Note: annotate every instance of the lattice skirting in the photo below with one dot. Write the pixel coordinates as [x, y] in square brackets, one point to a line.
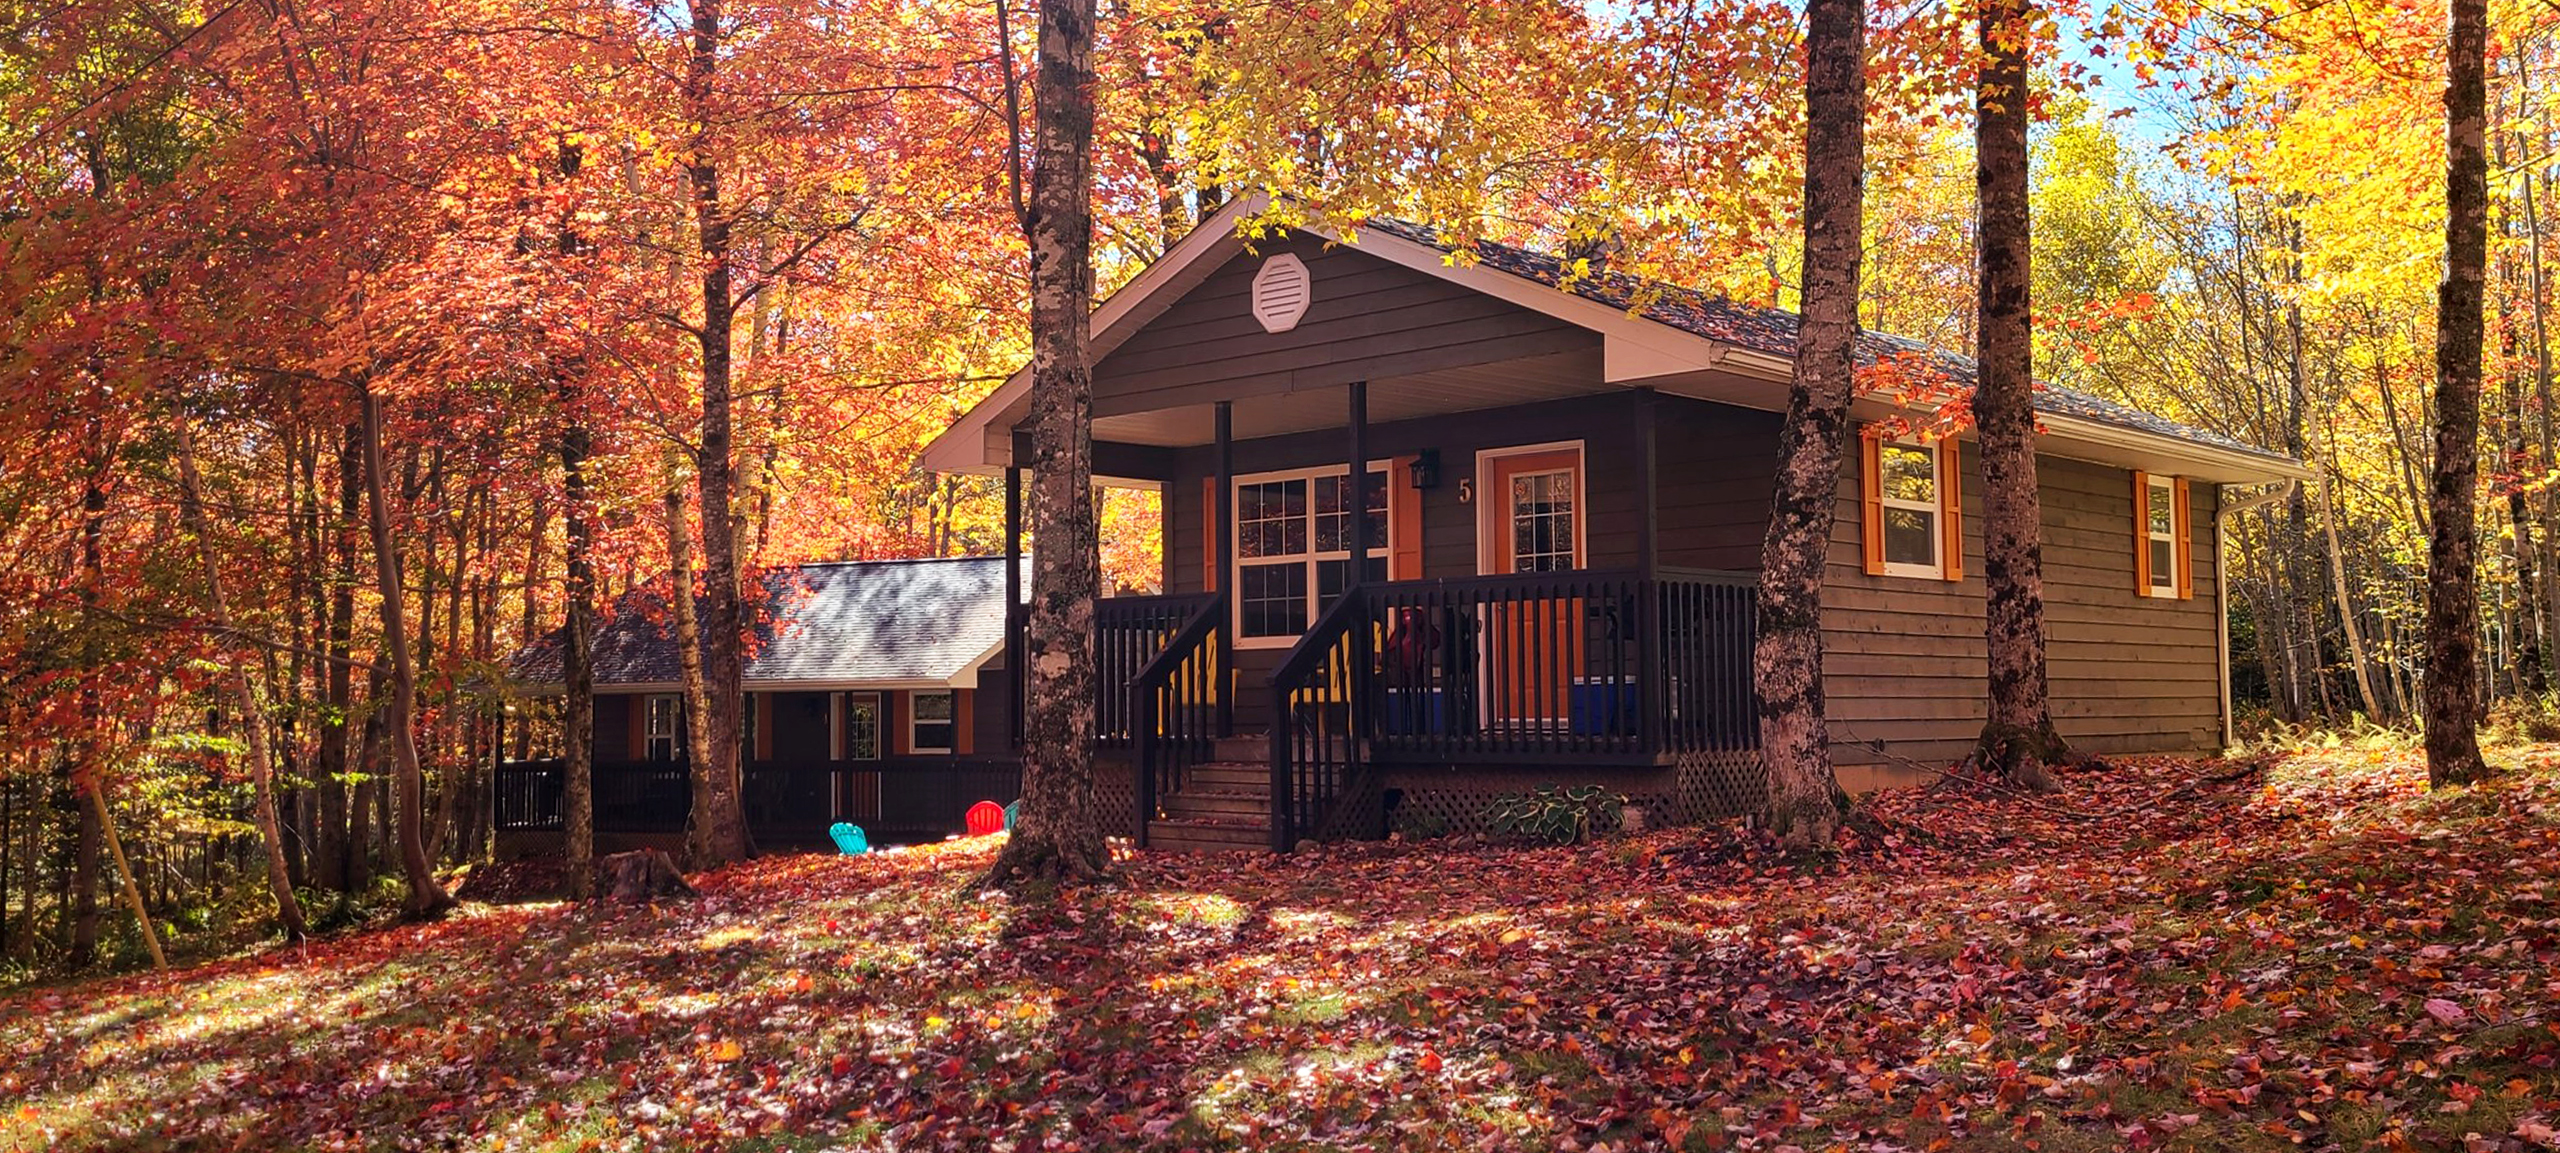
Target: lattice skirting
[1702, 787]
[1115, 794]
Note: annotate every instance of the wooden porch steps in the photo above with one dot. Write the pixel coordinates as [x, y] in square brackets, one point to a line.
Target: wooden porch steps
[1224, 806]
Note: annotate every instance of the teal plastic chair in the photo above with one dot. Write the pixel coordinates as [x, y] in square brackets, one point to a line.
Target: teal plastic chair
[1010, 812]
[849, 839]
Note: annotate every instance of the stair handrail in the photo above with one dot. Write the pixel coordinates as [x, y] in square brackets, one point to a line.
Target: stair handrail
[1204, 627]
[1348, 617]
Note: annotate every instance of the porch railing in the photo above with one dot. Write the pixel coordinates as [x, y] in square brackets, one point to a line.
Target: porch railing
[1549, 669]
[1176, 701]
[1558, 667]
[1321, 709]
[1129, 633]
[785, 802]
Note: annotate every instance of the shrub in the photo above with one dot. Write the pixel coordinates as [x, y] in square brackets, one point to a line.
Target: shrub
[1557, 816]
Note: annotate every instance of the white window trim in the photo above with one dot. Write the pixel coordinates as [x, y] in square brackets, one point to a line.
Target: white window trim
[839, 735]
[1935, 507]
[649, 734]
[2150, 587]
[913, 722]
[1385, 549]
[1498, 506]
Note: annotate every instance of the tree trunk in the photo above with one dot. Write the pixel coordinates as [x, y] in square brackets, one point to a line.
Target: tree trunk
[719, 830]
[2373, 705]
[88, 770]
[1057, 835]
[577, 662]
[2453, 608]
[2018, 739]
[427, 898]
[244, 696]
[700, 766]
[1805, 801]
[338, 845]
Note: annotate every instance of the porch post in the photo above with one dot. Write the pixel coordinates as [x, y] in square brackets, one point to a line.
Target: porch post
[1222, 550]
[1651, 673]
[1648, 512]
[1358, 496]
[1013, 602]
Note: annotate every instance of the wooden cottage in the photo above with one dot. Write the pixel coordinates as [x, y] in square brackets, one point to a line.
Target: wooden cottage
[1437, 530]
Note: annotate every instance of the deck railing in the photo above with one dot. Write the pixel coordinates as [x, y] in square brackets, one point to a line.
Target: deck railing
[1129, 633]
[1321, 710]
[785, 802]
[1548, 669]
[1562, 667]
[1176, 700]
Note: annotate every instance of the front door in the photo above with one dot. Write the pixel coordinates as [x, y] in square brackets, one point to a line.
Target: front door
[1533, 643]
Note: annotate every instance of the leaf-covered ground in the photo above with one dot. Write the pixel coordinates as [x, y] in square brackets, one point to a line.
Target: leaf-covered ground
[2171, 954]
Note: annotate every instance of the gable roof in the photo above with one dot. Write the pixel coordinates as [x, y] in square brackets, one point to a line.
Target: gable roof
[852, 624]
[1772, 332]
[1652, 332]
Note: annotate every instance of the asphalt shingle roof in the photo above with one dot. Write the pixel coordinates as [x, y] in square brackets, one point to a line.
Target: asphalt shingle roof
[1772, 331]
[848, 622]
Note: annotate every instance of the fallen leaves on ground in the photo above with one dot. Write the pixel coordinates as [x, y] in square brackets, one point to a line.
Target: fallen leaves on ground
[2170, 954]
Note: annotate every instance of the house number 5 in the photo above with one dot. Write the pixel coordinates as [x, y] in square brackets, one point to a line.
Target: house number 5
[1466, 491]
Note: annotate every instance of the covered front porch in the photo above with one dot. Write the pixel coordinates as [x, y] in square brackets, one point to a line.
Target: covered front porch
[1476, 643]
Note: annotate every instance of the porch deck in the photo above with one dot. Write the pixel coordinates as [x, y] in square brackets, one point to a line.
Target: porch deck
[1570, 670]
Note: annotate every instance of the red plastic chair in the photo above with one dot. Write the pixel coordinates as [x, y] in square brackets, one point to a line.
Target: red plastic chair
[984, 818]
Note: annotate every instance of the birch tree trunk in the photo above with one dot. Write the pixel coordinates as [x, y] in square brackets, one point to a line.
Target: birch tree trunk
[2373, 705]
[718, 826]
[244, 697]
[427, 898]
[700, 767]
[2453, 609]
[1057, 836]
[1805, 801]
[2018, 739]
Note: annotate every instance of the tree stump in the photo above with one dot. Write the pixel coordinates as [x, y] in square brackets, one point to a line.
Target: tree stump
[643, 876]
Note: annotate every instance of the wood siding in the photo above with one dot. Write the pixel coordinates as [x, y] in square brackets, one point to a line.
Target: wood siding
[1370, 319]
[1904, 659]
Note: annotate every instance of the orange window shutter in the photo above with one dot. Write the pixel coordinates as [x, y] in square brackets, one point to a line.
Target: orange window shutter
[1208, 534]
[1951, 508]
[964, 721]
[1871, 499]
[2141, 533]
[1404, 522]
[2186, 539]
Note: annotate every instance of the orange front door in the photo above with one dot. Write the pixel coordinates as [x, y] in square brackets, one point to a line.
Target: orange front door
[1533, 645]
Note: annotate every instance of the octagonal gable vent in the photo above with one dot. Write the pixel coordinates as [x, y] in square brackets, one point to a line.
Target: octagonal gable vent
[1281, 291]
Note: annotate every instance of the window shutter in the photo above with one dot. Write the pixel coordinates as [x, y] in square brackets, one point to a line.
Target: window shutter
[1871, 498]
[2186, 546]
[1404, 522]
[1951, 509]
[964, 722]
[2141, 533]
[1209, 534]
[894, 718]
[635, 741]
[763, 705]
